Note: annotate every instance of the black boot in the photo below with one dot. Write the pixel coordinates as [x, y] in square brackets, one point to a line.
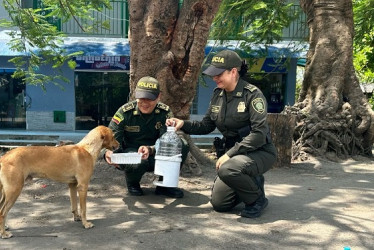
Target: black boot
[171, 192]
[255, 209]
[135, 189]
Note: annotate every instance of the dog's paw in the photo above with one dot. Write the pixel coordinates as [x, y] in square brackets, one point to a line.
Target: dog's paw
[88, 225]
[77, 218]
[6, 235]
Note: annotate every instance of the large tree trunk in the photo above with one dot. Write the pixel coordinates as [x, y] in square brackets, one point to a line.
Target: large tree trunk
[282, 128]
[334, 119]
[168, 42]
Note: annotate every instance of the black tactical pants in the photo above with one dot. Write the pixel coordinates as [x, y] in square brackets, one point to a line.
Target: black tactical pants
[235, 181]
[135, 172]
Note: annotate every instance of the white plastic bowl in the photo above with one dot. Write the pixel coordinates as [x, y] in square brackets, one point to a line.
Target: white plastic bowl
[126, 158]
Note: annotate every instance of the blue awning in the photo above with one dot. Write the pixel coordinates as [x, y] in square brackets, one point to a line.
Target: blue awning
[90, 46]
[5, 49]
[103, 46]
[93, 46]
[279, 50]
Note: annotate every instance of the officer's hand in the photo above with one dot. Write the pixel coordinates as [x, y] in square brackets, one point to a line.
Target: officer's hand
[108, 158]
[177, 123]
[221, 160]
[145, 151]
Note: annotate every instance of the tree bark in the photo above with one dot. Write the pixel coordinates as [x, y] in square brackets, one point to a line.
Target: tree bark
[168, 42]
[282, 128]
[334, 119]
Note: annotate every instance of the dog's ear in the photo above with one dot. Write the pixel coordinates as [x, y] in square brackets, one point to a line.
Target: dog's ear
[103, 132]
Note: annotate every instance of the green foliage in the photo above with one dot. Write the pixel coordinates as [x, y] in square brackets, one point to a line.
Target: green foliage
[39, 37]
[257, 21]
[364, 40]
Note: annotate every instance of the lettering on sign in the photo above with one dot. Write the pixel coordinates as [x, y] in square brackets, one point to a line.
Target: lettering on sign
[92, 59]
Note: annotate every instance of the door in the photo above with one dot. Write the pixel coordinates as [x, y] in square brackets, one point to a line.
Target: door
[12, 104]
[98, 96]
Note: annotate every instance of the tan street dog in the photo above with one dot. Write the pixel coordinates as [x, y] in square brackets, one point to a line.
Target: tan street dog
[71, 164]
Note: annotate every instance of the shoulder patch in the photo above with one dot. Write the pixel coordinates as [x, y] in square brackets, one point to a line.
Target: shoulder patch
[258, 105]
[250, 87]
[128, 106]
[163, 106]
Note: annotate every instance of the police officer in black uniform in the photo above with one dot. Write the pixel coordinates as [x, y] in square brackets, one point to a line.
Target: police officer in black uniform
[137, 125]
[238, 110]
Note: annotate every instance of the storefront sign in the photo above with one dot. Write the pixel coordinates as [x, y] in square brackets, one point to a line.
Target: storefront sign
[103, 62]
[269, 65]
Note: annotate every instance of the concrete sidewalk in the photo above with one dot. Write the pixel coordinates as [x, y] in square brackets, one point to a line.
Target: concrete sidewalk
[14, 137]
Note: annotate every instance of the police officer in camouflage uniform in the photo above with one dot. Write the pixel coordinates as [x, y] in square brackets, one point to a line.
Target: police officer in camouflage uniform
[137, 125]
[238, 110]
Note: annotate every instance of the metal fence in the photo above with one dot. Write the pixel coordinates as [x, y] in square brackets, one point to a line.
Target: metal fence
[117, 17]
[298, 29]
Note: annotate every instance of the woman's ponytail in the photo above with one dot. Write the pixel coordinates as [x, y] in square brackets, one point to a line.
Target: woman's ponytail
[243, 69]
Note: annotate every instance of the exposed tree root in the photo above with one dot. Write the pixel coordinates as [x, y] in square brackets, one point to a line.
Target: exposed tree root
[330, 137]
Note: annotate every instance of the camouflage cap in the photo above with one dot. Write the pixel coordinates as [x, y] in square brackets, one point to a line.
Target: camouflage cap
[224, 60]
[147, 88]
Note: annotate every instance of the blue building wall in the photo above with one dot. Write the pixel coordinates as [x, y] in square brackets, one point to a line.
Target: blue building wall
[205, 92]
[41, 106]
[55, 97]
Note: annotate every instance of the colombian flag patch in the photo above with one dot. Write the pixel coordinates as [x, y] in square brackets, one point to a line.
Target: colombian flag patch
[116, 119]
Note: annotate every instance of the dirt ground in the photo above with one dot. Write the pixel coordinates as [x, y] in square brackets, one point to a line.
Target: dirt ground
[312, 205]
